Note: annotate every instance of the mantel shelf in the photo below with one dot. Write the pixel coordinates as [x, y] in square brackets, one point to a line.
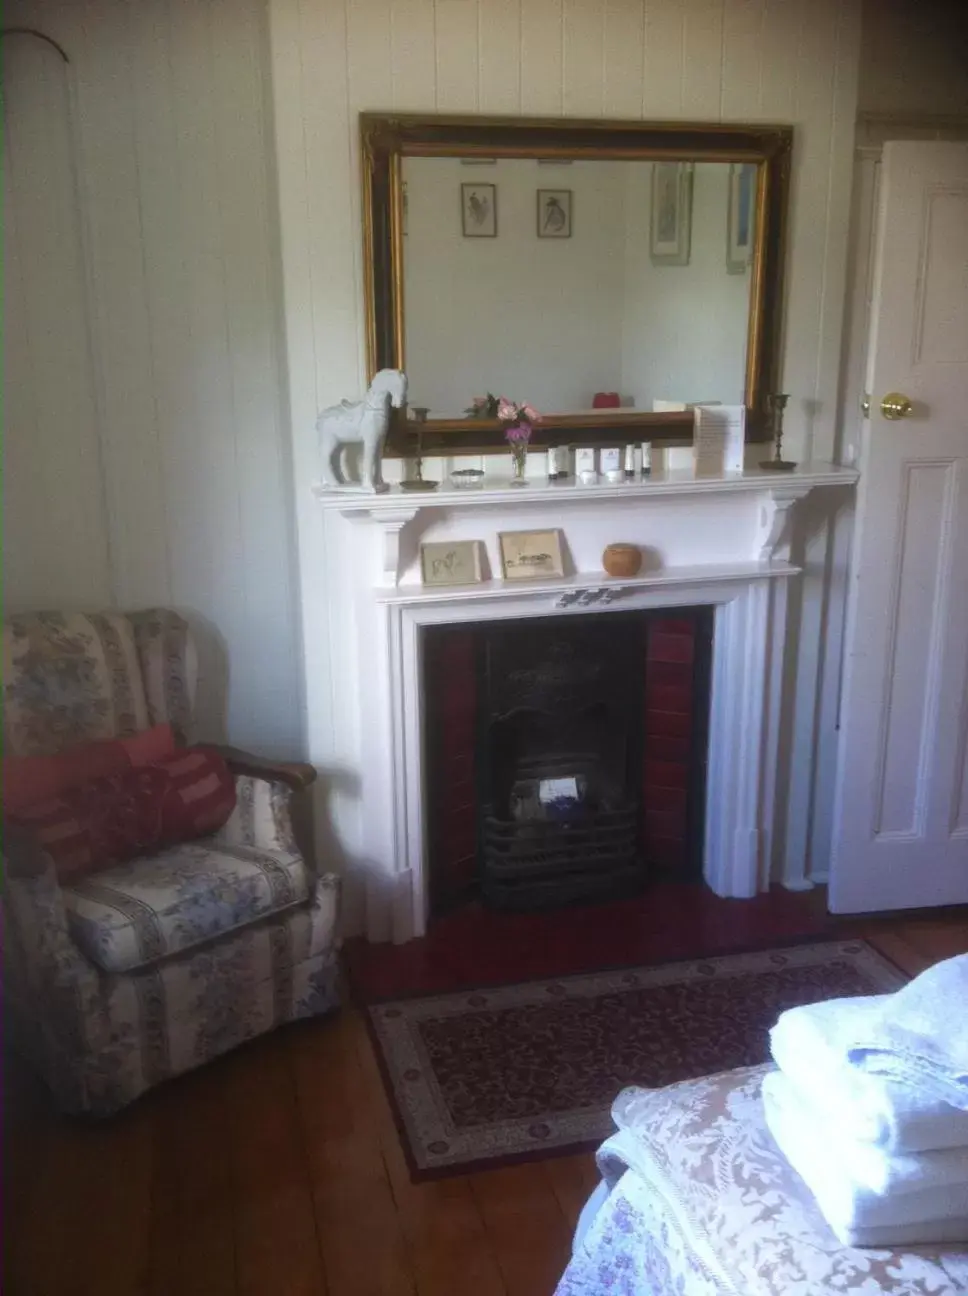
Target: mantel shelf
[799, 482]
[612, 587]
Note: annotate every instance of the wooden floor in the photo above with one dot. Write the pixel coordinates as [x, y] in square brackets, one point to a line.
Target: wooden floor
[277, 1171]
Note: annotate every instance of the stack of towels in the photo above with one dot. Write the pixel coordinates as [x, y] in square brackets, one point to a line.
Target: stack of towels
[870, 1106]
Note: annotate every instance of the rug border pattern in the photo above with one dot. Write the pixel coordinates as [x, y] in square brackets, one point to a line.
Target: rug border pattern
[433, 1145]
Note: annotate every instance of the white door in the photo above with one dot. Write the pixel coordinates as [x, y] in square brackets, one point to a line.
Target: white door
[901, 820]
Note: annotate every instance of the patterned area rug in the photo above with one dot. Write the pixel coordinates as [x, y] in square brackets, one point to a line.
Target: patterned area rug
[482, 1078]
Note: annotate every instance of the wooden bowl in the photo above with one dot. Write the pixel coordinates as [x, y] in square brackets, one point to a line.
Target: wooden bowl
[622, 559]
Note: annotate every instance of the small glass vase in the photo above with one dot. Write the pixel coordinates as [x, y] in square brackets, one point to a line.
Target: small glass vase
[519, 467]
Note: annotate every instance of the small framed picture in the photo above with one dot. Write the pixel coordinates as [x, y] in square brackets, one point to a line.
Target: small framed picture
[554, 213]
[670, 223]
[527, 555]
[478, 207]
[454, 562]
[741, 216]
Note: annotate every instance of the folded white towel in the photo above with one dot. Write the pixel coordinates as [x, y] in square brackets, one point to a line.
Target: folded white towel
[921, 1034]
[852, 1208]
[894, 1236]
[884, 1173]
[808, 1043]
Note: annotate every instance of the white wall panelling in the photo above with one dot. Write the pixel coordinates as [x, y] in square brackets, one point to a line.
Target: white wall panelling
[147, 445]
[55, 533]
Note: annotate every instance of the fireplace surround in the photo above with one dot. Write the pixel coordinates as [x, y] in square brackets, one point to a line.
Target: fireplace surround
[718, 542]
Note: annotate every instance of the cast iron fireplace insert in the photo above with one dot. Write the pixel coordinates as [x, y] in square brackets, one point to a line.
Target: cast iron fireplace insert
[565, 756]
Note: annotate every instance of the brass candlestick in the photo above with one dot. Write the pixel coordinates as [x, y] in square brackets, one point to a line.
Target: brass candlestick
[416, 482]
[776, 404]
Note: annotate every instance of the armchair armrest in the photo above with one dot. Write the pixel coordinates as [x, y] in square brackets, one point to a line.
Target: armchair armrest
[273, 811]
[295, 774]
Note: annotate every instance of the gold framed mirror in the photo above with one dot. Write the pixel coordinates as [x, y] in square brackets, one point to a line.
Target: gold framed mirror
[613, 274]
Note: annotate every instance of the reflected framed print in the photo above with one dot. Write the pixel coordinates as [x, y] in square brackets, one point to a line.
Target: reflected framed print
[554, 213]
[670, 216]
[478, 209]
[740, 217]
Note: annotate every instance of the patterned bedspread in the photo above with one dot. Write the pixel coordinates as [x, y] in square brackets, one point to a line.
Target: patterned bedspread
[702, 1203]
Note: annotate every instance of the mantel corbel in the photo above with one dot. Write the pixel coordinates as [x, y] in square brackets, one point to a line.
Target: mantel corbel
[390, 523]
[773, 538]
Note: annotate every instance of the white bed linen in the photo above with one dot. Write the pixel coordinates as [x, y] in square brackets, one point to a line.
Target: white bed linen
[703, 1203]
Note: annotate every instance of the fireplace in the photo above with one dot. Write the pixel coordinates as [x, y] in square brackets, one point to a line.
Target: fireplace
[565, 759]
[717, 543]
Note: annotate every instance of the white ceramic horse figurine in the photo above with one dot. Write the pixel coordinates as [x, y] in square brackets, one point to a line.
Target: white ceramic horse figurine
[367, 422]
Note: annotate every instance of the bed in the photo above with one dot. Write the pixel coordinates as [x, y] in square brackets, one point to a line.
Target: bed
[696, 1200]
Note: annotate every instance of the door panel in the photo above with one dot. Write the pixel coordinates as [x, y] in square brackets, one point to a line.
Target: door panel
[899, 838]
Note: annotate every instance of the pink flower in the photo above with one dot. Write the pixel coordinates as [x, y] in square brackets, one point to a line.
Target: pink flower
[530, 413]
[507, 411]
[518, 435]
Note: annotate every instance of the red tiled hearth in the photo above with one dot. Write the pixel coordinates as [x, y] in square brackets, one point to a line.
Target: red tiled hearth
[475, 946]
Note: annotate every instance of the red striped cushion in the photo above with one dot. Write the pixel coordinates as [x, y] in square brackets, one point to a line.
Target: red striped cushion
[107, 820]
[29, 779]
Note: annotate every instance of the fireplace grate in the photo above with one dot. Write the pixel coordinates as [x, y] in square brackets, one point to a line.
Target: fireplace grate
[533, 863]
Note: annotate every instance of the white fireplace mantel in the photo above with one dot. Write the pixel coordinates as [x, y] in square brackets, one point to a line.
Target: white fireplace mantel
[722, 542]
[393, 510]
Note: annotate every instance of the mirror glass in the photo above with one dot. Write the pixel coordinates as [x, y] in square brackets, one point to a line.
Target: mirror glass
[576, 285]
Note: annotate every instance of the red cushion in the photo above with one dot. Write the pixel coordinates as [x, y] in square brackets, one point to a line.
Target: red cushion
[107, 820]
[30, 779]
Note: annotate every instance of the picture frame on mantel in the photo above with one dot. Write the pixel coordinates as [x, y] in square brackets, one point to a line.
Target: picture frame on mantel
[530, 555]
[453, 562]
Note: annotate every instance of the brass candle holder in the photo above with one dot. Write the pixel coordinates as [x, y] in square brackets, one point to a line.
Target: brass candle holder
[776, 404]
[417, 482]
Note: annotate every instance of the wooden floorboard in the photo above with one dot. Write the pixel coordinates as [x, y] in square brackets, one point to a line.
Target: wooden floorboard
[277, 1171]
[271, 1179]
[193, 1204]
[447, 1239]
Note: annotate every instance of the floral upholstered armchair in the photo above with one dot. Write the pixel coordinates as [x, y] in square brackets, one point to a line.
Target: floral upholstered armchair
[150, 967]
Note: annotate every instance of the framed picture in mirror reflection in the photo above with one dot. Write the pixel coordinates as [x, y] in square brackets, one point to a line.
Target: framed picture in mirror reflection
[478, 207]
[740, 216]
[670, 219]
[554, 213]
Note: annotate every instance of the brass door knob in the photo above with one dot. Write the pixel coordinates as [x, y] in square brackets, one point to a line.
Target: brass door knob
[896, 405]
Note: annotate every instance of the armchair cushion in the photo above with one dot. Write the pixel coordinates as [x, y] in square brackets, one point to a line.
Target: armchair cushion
[86, 829]
[30, 779]
[137, 913]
